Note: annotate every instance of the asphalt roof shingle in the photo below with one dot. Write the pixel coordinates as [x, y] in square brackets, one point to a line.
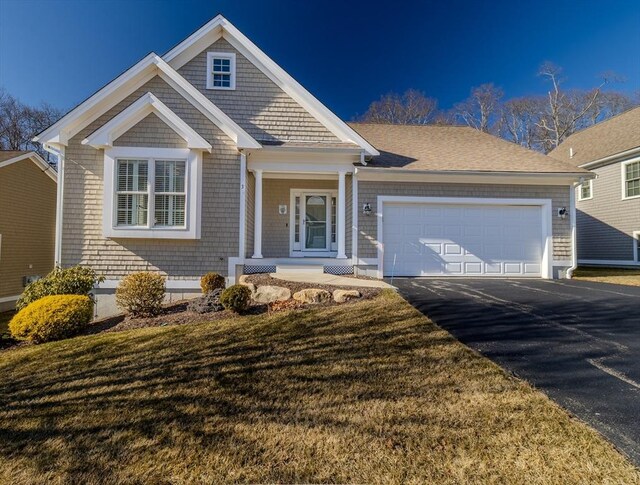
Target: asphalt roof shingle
[609, 137]
[453, 148]
[9, 154]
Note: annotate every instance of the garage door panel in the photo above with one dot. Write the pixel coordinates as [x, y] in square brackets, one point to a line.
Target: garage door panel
[438, 239]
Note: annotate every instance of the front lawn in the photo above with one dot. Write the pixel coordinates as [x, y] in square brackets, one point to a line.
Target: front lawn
[618, 276]
[369, 392]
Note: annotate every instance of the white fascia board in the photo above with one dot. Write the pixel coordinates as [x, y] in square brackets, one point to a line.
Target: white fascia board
[151, 66]
[221, 27]
[422, 176]
[104, 136]
[35, 158]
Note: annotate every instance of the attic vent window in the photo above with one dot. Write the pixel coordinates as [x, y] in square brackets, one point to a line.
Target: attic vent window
[221, 70]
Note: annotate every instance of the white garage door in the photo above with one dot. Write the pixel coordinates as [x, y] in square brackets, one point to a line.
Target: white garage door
[423, 239]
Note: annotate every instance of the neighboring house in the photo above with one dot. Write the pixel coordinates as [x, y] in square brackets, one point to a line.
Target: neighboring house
[27, 222]
[212, 158]
[608, 207]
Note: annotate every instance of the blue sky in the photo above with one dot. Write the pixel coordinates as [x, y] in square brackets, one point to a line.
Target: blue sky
[347, 53]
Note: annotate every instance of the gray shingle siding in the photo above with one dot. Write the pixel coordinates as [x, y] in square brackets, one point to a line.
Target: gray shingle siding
[368, 192]
[257, 104]
[82, 238]
[150, 132]
[606, 222]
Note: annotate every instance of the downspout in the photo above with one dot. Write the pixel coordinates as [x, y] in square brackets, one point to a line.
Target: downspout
[59, 154]
[243, 205]
[572, 215]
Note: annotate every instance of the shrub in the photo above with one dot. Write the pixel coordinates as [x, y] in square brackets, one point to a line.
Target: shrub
[236, 298]
[207, 303]
[211, 282]
[52, 318]
[141, 294]
[77, 280]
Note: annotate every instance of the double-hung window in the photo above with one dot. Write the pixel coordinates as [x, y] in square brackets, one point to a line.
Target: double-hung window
[631, 179]
[586, 190]
[221, 70]
[151, 193]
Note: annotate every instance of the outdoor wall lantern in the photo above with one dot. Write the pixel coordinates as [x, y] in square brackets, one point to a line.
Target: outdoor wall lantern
[366, 209]
[562, 212]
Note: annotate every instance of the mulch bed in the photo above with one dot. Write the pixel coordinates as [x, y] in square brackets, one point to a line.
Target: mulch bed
[177, 313]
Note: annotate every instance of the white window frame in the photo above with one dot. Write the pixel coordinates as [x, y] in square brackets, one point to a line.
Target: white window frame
[193, 186]
[590, 185]
[623, 176]
[232, 70]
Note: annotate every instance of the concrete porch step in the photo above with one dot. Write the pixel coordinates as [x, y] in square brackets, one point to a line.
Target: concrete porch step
[300, 268]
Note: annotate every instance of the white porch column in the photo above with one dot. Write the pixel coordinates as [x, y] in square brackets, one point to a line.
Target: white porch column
[257, 216]
[341, 213]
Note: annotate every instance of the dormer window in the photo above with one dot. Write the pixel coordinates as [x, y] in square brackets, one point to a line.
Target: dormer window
[221, 70]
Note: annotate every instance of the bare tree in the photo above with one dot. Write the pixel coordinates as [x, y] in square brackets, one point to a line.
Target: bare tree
[480, 109]
[566, 110]
[412, 108]
[519, 119]
[19, 123]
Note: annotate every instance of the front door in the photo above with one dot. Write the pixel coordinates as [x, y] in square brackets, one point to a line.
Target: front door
[316, 217]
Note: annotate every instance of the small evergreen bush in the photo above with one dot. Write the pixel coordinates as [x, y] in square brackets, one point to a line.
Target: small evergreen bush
[77, 280]
[141, 294]
[52, 317]
[211, 282]
[236, 298]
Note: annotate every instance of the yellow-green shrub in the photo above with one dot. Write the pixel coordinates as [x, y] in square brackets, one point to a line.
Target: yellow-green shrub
[211, 282]
[141, 294]
[236, 298]
[52, 318]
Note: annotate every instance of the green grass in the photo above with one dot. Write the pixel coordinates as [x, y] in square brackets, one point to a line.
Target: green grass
[618, 276]
[370, 392]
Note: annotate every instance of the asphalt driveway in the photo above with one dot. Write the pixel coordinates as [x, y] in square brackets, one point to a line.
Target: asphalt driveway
[577, 341]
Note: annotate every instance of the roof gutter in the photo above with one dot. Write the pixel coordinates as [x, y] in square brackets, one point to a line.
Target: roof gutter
[59, 154]
[574, 244]
[611, 158]
[481, 173]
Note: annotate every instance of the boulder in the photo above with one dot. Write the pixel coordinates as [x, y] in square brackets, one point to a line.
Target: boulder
[269, 294]
[207, 303]
[312, 295]
[244, 281]
[340, 296]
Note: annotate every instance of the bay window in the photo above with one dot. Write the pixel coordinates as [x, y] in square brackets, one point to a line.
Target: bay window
[152, 193]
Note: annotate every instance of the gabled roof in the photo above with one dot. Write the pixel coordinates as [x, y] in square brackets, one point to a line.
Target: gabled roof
[118, 89]
[221, 27]
[604, 140]
[8, 157]
[104, 136]
[454, 149]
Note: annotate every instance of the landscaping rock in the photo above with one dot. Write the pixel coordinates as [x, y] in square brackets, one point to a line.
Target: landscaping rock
[312, 295]
[269, 294]
[340, 296]
[207, 303]
[244, 281]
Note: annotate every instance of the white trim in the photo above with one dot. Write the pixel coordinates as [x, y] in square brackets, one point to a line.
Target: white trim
[193, 184]
[242, 226]
[574, 232]
[7, 299]
[148, 103]
[590, 182]
[341, 214]
[562, 263]
[545, 204]
[328, 260]
[623, 176]
[608, 262]
[299, 251]
[232, 70]
[367, 261]
[257, 215]
[636, 242]
[35, 158]
[117, 90]
[354, 217]
[468, 177]
[301, 167]
[193, 284]
[221, 27]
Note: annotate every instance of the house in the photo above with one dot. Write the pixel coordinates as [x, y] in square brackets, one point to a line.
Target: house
[608, 207]
[27, 222]
[213, 158]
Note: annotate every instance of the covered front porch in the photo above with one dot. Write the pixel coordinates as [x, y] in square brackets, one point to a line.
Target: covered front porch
[299, 212]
